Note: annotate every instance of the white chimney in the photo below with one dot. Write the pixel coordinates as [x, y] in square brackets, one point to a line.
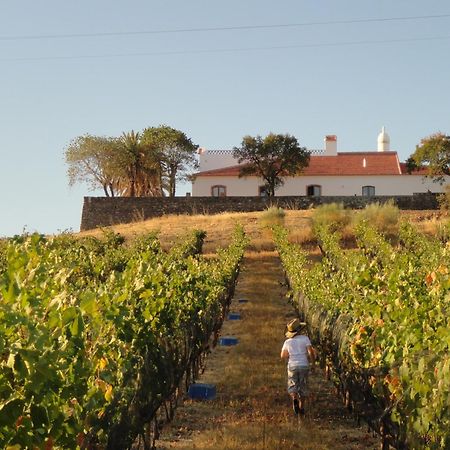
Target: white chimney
[330, 145]
[384, 141]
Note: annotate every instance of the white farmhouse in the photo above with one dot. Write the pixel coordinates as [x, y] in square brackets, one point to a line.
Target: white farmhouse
[330, 173]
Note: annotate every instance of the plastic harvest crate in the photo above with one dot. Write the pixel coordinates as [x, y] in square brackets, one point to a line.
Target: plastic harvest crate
[228, 340]
[234, 316]
[202, 391]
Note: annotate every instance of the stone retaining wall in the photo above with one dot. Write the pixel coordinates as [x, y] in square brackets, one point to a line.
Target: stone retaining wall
[105, 211]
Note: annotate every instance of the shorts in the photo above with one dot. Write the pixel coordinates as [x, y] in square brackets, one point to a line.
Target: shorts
[298, 381]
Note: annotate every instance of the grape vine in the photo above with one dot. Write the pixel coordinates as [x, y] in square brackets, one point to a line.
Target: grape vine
[380, 316]
[96, 338]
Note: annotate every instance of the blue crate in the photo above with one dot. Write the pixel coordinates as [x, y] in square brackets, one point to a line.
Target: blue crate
[234, 316]
[242, 300]
[202, 391]
[228, 340]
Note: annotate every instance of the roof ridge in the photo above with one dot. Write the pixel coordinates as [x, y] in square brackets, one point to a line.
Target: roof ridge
[344, 163]
[368, 152]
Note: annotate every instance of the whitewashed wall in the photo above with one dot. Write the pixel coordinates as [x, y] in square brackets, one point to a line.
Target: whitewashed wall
[236, 187]
[215, 159]
[331, 185]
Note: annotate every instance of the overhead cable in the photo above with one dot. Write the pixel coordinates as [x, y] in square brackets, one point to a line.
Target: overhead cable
[224, 50]
[215, 29]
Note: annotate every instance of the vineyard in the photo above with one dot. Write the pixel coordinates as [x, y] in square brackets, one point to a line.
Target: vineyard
[101, 337]
[379, 315]
[98, 338]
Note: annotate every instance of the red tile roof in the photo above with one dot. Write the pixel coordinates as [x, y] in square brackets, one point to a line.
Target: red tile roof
[348, 163]
[355, 163]
[421, 171]
[231, 171]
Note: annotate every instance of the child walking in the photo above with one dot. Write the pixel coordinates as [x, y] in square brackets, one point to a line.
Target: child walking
[300, 355]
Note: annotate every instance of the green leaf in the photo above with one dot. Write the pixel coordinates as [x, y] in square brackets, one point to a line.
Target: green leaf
[11, 360]
[88, 304]
[39, 416]
[10, 411]
[77, 326]
[68, 315]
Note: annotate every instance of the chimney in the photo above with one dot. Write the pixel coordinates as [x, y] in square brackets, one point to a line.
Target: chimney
[330, 145]
[384, 141]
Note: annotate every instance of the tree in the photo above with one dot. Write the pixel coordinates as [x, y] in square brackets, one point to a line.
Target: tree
[434, 153]
[123, 166]
[272, 158]
[141, 163]
[95, 160]
[177, 154]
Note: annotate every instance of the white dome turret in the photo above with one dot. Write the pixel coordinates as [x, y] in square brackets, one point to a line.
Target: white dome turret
[384, 141]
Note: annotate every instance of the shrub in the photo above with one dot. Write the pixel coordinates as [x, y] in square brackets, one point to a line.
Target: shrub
[272, 216]
[443, 231]
[384, 216]
[444, 199]
[332, 215]
[3, 245]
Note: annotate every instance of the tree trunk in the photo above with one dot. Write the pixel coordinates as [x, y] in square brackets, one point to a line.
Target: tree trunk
[172, 181]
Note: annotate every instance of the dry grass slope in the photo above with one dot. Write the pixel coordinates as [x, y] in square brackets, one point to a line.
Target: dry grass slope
[219, 227]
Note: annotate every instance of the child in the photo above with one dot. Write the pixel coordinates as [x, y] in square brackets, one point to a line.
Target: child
[300, 354]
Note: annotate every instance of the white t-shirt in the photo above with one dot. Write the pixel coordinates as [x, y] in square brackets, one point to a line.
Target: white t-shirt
[297, 349]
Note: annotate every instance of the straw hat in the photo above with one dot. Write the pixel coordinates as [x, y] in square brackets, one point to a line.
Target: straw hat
[294, 327]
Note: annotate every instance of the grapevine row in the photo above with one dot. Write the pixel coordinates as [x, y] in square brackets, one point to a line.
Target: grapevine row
[96, 338]
[381, 318]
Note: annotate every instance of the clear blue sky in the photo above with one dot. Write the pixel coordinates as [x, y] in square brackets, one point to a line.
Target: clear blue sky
[347, 79]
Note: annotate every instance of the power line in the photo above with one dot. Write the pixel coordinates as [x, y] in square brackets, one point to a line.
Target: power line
[228, 28]
[225, 50]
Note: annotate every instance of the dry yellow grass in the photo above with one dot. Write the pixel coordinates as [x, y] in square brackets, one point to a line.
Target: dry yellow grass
[219, 227]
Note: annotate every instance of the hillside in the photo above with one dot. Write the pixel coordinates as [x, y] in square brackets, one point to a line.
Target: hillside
[220, 226]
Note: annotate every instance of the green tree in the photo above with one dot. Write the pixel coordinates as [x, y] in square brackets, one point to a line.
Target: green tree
[433, 153]
[124, 166]
[95, 161]
[272, 158]
[176, 151]
[141, 162]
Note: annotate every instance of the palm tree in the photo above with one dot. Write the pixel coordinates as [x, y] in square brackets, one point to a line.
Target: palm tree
[142, 167]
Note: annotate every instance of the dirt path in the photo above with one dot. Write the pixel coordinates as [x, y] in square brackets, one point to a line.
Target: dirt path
[252, 410]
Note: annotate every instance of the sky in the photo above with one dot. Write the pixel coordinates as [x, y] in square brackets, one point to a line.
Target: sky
[215, 70]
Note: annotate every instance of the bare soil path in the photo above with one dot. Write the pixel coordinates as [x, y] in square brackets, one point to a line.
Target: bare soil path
[252, 410]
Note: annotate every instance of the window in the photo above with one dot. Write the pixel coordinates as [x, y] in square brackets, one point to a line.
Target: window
[262, 191]
[368, 191]
[314, 190]
[218, 191]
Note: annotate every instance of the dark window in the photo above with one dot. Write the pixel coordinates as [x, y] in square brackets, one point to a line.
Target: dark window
[262, 191]
[314, 190]
[219, 191]
[368, 191]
